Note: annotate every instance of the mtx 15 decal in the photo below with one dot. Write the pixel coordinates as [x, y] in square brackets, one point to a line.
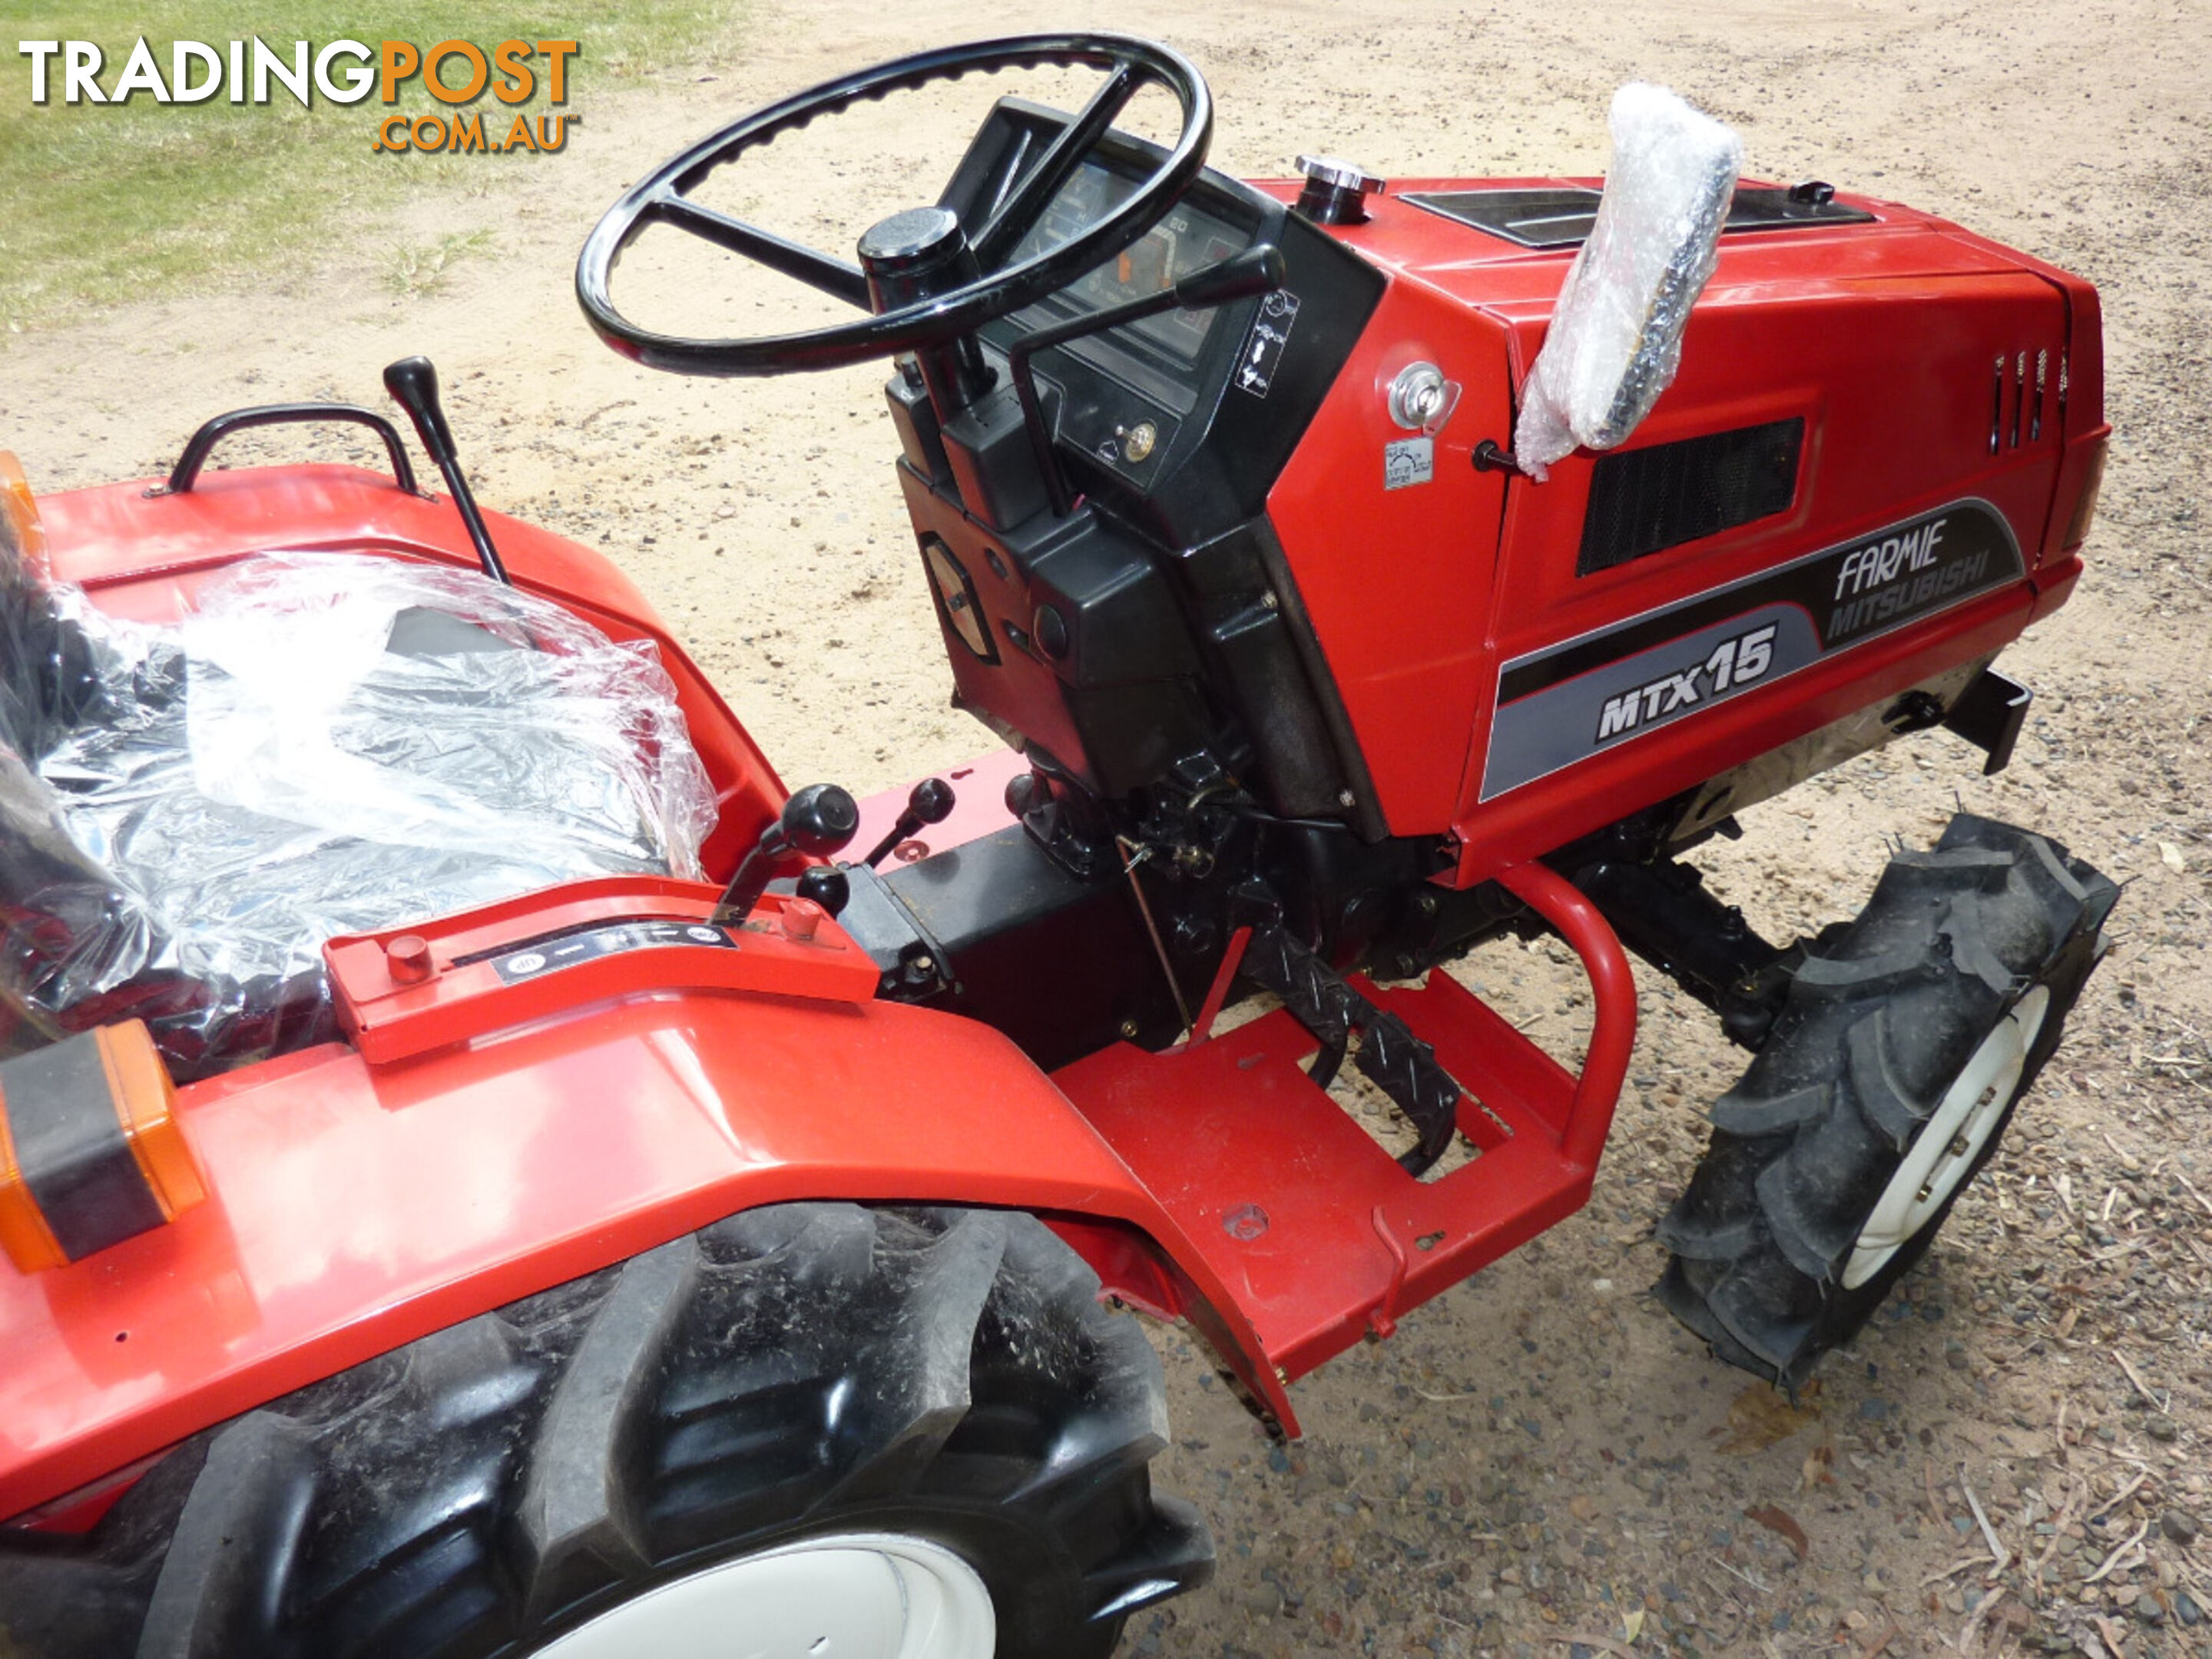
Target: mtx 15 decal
[1566, 702]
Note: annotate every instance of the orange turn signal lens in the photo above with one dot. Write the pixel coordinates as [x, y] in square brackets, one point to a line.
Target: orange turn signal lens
[92, 1122]
[30, 1243]
[19, 516]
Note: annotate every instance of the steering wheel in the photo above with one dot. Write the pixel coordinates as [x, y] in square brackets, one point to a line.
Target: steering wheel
[1001, 287]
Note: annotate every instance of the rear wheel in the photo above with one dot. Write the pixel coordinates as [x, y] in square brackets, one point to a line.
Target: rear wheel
[811, 1429]
[1881, 1090]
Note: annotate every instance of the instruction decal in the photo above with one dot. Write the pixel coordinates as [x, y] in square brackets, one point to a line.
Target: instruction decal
[1264, 344]
[588, 944]
[1408, 461]
[1567, 702]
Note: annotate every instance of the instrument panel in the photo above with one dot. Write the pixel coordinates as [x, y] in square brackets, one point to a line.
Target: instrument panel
[1189, 239]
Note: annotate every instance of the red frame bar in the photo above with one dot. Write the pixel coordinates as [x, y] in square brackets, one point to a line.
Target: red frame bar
[1613, 990]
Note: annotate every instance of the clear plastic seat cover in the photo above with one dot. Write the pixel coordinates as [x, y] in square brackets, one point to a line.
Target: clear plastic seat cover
[322, 744]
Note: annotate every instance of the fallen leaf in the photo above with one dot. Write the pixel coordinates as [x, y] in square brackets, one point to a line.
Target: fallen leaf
[1818, 1469]
[2170, 856]
[1632, 1623]
[1761, 1415]
[1778, 1520]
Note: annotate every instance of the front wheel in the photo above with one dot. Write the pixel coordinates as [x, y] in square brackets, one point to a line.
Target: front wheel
[811, 1430]
[1881, 1090]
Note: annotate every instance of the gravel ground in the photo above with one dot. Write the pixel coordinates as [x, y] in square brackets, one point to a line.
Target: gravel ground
[2014, 1457]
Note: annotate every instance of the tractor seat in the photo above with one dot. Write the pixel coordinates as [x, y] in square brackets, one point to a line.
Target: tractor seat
[326, 744]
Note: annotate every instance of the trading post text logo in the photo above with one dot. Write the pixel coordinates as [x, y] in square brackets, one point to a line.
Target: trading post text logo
[454, 72]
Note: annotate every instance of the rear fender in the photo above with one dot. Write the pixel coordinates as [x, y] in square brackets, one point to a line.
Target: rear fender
[353, 1207]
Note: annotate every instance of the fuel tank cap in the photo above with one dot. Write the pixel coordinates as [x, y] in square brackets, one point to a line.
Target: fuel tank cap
[1336, 191]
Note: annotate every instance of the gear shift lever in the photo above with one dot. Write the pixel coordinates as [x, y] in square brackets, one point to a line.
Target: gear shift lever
[818, 820]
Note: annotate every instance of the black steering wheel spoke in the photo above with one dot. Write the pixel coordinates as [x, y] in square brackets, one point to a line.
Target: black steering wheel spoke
[1033, 193]
[812, 266]
[1003, 283]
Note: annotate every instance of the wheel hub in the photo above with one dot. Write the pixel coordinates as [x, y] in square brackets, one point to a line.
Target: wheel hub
[1944, 1153]
[851, 1596]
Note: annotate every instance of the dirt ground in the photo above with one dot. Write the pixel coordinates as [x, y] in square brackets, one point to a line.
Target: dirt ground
[2015, 1457]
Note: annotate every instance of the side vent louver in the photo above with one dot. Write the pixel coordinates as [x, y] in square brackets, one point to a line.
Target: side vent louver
[1645, 501]
[2009, 381]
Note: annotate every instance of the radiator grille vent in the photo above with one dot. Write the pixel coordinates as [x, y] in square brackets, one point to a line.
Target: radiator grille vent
[1644, 501]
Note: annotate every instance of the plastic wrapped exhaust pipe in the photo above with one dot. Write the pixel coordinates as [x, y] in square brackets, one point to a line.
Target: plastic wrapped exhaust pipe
[1616, 335]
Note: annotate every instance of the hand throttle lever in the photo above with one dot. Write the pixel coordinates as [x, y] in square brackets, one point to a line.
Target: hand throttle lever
[1256, 270]
[930, 802]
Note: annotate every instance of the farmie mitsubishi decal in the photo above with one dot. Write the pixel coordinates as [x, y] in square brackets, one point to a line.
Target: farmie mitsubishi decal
[1567, 702]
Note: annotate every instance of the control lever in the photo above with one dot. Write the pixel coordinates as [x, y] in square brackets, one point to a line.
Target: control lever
[818, 821]
[1256, 270]
[413, 384]
[929, 802]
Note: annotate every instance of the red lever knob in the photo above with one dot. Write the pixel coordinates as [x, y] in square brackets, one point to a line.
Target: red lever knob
[407, 959]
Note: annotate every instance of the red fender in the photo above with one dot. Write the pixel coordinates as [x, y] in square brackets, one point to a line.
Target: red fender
[354, 1207]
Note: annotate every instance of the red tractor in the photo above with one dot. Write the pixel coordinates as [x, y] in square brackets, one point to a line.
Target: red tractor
[719, 1252]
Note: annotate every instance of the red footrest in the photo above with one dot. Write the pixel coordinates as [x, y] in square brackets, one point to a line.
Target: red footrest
[1313, 1226]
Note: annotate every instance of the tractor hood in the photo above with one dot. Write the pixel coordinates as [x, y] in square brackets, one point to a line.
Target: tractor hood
[1505, 243]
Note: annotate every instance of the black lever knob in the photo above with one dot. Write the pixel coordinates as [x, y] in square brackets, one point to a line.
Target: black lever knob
[929, 801]
[1256, 271]
[413, 384]
[817, 821]
[827, 886]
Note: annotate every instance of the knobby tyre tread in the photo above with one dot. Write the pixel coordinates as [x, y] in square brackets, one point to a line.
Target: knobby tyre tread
[796, 1371]
[1873, 1031]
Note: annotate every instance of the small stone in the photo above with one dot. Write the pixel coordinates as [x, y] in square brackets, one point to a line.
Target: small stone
[1874, 1409]
[2146, 1609]
[2180, 1526]
[2187, 1611]
[1266, 1601]
[2163, 1428]
[1954, 1356]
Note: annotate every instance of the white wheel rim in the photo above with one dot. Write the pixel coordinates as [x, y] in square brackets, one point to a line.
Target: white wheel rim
[852, 1596]
[1954, 1137]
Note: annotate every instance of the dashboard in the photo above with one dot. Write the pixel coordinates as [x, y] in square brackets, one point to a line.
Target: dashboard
[1183, 418]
